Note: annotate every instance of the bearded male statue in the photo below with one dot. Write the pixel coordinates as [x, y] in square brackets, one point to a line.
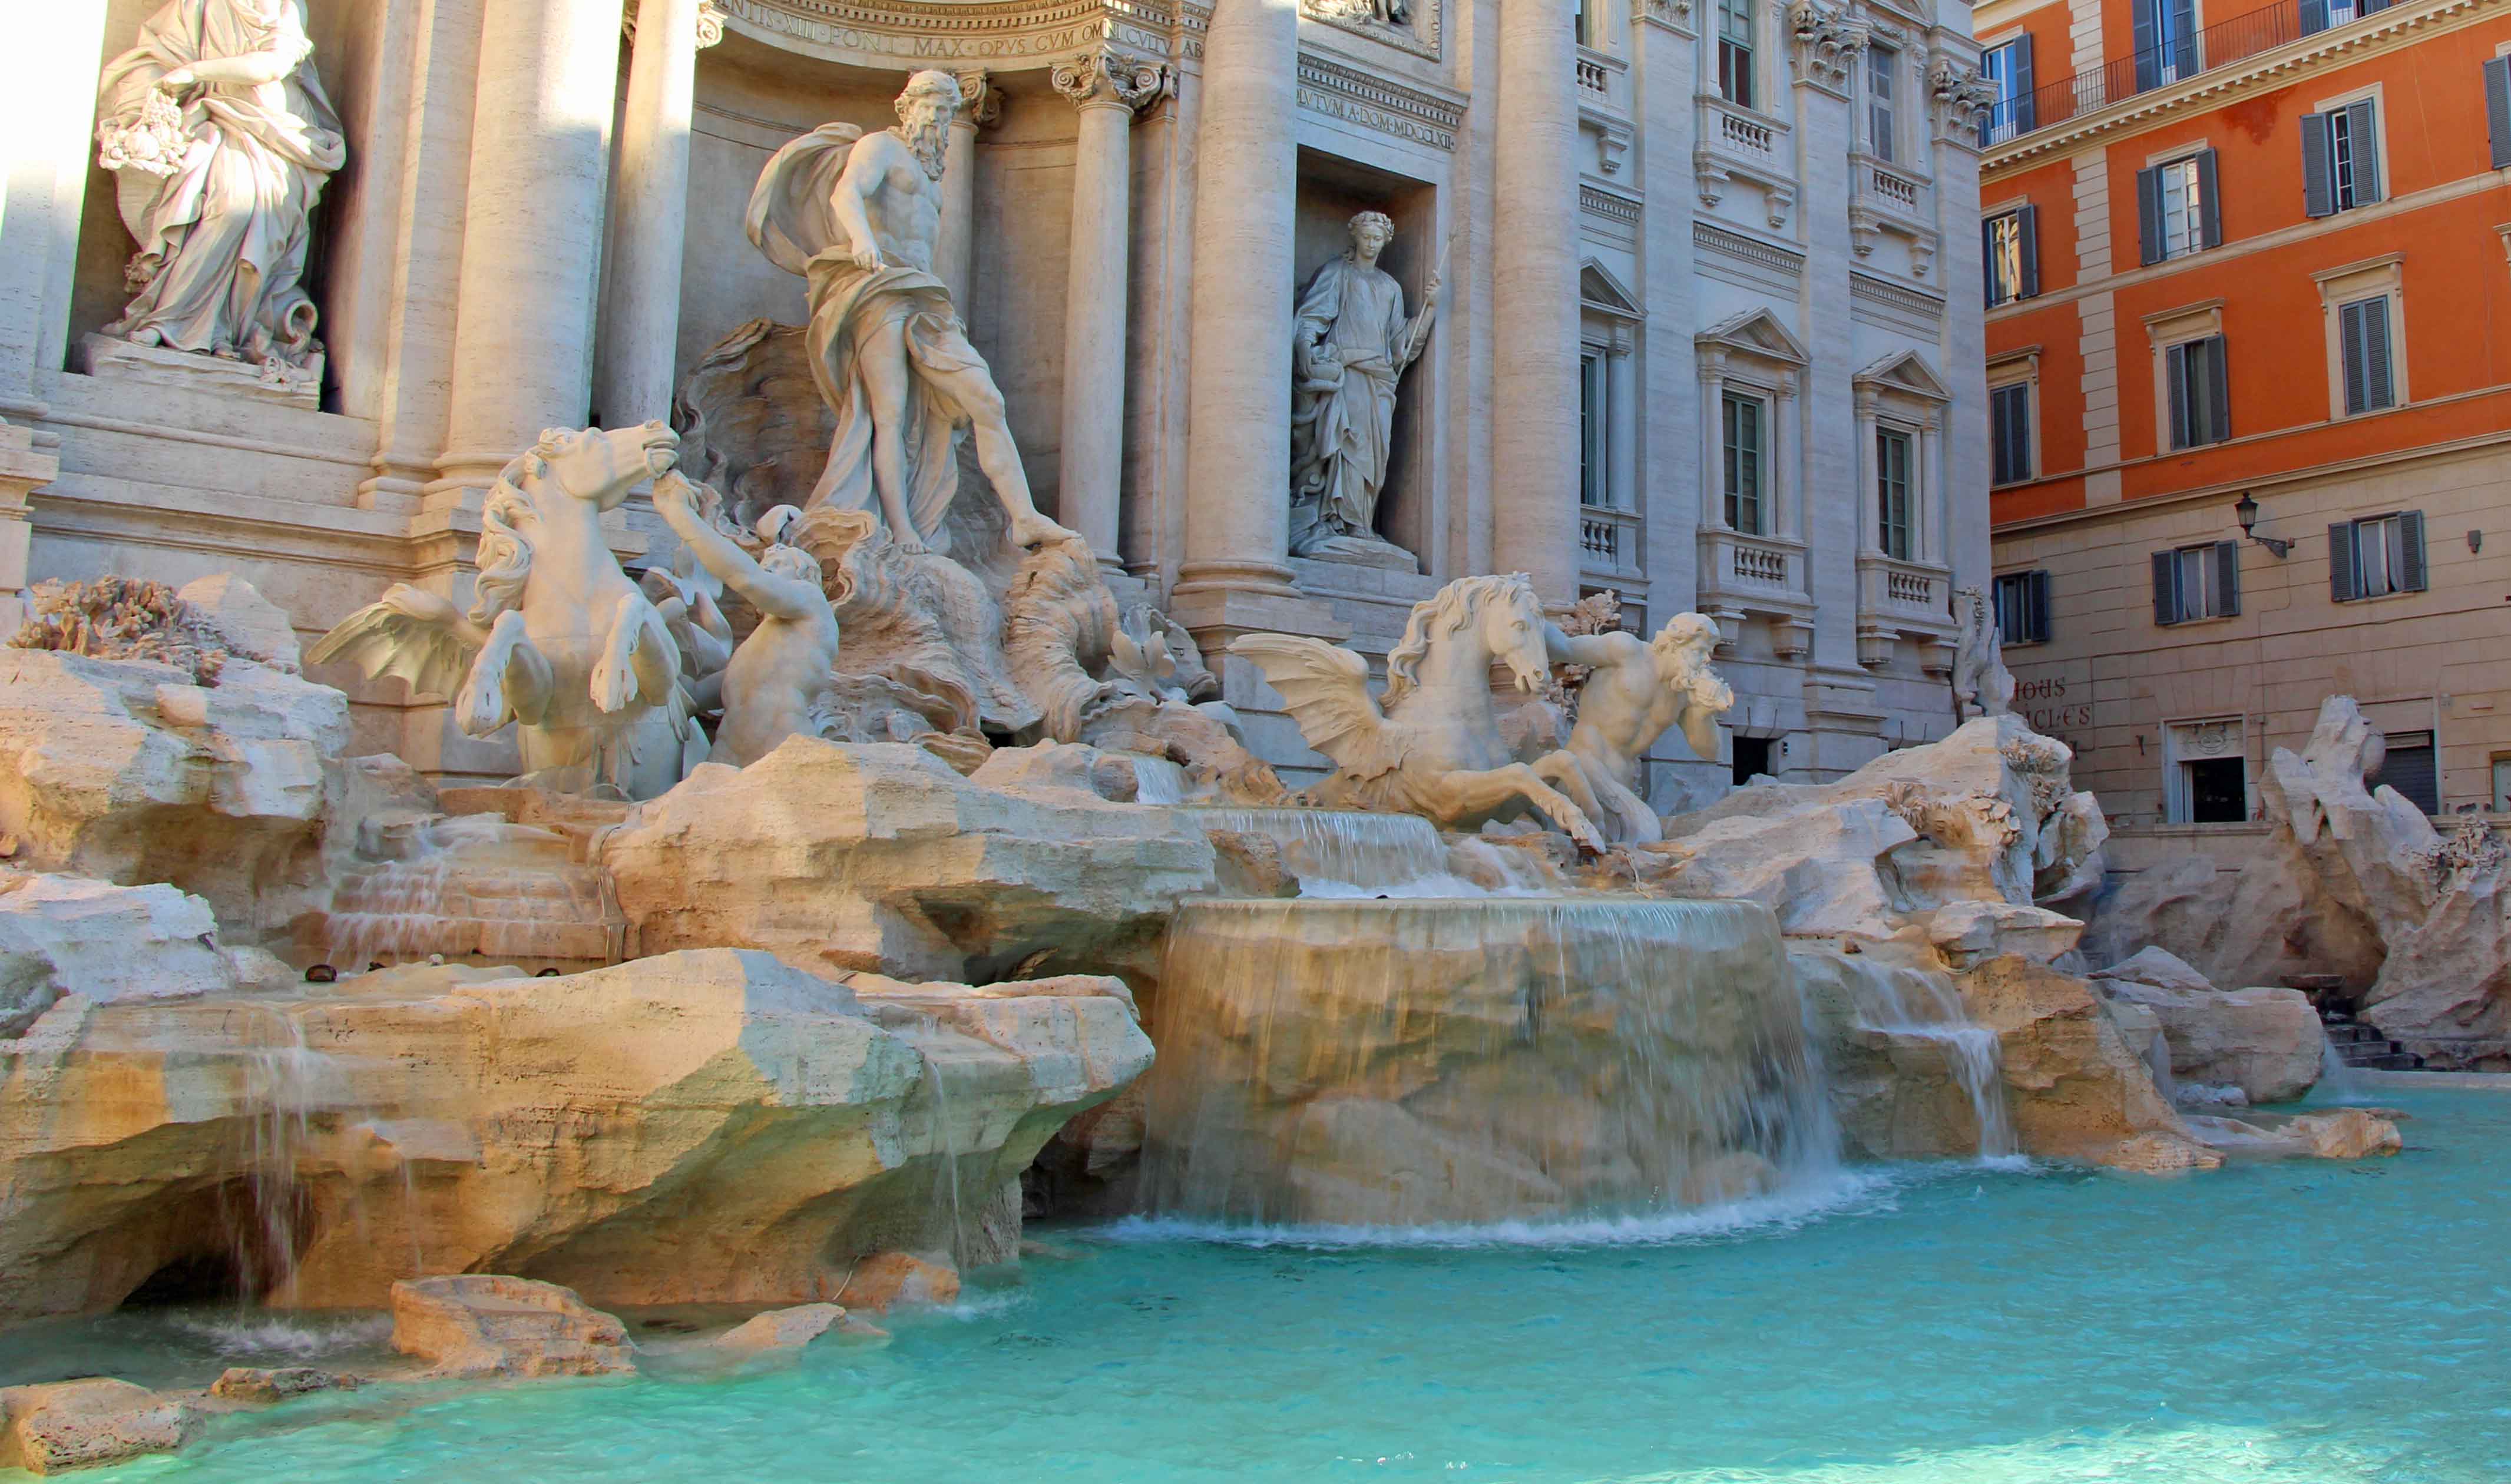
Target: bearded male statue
[855, 216]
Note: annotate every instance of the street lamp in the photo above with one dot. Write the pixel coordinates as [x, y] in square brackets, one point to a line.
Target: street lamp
[2248, 510]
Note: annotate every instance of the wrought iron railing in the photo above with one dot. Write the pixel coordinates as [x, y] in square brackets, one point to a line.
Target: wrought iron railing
[2176, 61]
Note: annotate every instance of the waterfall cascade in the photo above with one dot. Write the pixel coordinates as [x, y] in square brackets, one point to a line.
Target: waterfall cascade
[475, 885]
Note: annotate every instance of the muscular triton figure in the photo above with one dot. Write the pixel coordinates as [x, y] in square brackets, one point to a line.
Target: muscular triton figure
[856, 214]
[777, 682]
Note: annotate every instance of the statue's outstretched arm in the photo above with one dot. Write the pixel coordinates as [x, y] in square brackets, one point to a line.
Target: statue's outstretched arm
[782, 597]
[1592, 650]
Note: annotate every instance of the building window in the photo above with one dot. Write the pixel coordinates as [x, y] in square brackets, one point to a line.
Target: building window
[2497, 109]
[1735, 52]
[2377, 556]
[2023, 608]
[1882, 126]
[2205, 772]
[1752, 759]
[1892, 480]
[2009, 415]
[2411, 768]
[2362, 338]
[2008, 68]
[1595, 425]
[2199, 393]
[2501, 784]
[2177, 207]
[2201, 581]
[1746, 424]
[2340, 159]
[2011, 246]
[2166, 42]
[2319, 15]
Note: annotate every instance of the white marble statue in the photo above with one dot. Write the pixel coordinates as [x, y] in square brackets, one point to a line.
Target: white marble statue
[221, 141]
[1635, 690]
[855, 216]
[1982, 684]
[560, 643]
[1434, 746]
[776, 684]
[1351, 343]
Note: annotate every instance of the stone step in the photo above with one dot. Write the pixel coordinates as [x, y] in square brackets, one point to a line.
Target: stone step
[2389, 1061]
[2350, 1033]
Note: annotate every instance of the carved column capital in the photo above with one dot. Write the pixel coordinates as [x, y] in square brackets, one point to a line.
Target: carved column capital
[981, 105]
[709, 24]
[1107, 75]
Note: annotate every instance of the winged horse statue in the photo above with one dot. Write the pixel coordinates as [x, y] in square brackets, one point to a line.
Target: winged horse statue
[1432, 744]
[559, 641]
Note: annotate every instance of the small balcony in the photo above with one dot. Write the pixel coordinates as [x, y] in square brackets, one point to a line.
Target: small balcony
[1884, 197]
[2176, 61]
[1745, 576]
[1610, 542]
[1737, 145]
[1899, 600]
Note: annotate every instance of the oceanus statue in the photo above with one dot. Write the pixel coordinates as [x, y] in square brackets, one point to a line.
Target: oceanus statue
[1432, 744]
[560, 643]
[1635, 690]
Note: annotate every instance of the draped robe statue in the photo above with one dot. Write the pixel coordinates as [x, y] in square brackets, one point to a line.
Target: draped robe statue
[855, 216]
[1352, 342]
[221, 141]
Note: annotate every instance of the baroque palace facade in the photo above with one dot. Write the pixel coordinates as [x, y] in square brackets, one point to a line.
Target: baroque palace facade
[2249, 370]
[1684, 304]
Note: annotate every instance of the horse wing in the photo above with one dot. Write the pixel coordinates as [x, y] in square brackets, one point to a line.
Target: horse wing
[409, 634]
[1325, 690]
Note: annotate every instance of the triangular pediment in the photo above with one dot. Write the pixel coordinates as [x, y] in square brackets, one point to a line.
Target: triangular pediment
[1754, 332]
[1598, 290]
[1906, 373]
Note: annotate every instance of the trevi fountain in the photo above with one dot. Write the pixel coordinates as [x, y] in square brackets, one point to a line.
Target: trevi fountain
[841, 979]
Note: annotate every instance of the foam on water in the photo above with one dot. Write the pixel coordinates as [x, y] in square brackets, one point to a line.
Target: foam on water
[247, 1333]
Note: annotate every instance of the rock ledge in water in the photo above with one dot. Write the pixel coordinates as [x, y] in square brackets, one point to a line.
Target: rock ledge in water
[82, 1424]
[487, 1324]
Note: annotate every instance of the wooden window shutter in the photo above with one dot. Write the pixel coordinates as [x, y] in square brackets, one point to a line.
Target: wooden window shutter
[1997, 289]
[2376, 390]
[2318, 194]
[2029, 226]
[2147, 32]
[2183, 40]
[2497, 108]
[2314, 17]
[2362, 126]
[2412, 575]
[2166, 596]
[2227, 579]
[2350, 346]
[2218, 391]
[2209, 206]
[2175, 374]
[2037, 590]
[2149, 213]
[2024, 106]
[2341, 586]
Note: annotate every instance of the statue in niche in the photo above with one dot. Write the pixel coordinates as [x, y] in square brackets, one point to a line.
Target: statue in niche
[1982, 684]
[221, 141]
[1635, 689]
[855, 216]
[776, 684]
[1351, 342]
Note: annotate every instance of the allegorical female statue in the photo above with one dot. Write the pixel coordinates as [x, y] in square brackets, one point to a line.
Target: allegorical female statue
[1352, 342]
[221, 140]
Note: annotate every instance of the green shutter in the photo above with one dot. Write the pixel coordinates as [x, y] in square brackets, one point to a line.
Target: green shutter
[2175, 374]
[2227, 579]
[2149, 213]
[2318, 192]
[2029, 224]
[2377, 390]
[2350, 342]
[2412, 576]
[2497, 109]
[2036, 594]
[2363, 133]
[2166, 596]
[2341, 586]
[2218, 391]
[2210, 207]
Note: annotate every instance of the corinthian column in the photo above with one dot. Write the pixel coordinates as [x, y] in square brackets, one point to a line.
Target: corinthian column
[640, 311]
[1534, 317]
[531, 244]
[1236, 572]
[954, 243]
[1106, 88]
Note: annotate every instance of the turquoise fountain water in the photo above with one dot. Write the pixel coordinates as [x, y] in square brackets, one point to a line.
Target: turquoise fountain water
[1937, 1325]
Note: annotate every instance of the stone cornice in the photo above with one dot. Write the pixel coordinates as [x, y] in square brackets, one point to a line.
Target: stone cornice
[2382, 31]
[1407, 25]
[1006, 35]
[1342, 91]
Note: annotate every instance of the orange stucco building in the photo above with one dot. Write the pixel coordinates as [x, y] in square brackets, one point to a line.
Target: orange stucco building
[2251, 263]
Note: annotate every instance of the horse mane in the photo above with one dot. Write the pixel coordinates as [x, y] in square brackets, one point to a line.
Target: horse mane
[1437, 617]
[505, 550]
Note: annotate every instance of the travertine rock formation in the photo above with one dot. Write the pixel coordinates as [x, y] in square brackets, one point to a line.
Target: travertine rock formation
[1986, 816]
[129, 772]
[68, 1424]
[487, 1324]
[74, 935]
[2264, 1040]
[842, 856]
[590, 1129]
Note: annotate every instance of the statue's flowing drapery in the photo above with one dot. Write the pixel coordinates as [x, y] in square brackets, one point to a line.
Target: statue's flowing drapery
[222, 240]
[1343, 405]
[792, 221]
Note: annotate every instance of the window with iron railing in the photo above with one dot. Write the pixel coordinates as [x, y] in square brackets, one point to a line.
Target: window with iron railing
[2170, 48]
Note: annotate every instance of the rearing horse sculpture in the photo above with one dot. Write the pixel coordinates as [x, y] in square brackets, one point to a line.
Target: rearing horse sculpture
[1433, 746]
[560, 643]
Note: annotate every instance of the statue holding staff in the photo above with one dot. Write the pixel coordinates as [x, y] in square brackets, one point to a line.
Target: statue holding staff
[1352, 343]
